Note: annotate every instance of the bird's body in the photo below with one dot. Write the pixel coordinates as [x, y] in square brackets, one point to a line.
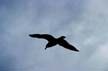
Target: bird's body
[54, 41]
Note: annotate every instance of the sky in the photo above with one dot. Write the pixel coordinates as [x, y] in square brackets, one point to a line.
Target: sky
[83, 22]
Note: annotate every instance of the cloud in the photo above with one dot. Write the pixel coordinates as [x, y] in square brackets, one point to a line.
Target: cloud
[83, 22]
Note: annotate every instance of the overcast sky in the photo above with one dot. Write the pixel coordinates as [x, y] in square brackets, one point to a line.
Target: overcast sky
[83, 22]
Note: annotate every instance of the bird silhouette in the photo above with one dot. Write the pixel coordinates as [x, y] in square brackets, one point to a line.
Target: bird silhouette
[52, 41]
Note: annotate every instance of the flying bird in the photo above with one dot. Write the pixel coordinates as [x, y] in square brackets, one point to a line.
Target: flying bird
[52, 41]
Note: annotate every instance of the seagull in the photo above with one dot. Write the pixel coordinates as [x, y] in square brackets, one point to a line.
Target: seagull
[52, 41]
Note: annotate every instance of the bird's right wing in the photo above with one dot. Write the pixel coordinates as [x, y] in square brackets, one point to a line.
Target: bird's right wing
[44, 36]
[65, 44]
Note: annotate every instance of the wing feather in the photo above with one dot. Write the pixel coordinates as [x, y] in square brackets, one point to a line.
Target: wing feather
[44, 36]
[65, 44]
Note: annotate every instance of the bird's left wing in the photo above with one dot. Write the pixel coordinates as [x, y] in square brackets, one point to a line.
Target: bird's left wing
[65, 44]
[44, 36]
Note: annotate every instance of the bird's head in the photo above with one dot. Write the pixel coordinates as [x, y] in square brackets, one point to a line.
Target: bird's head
[62, 37]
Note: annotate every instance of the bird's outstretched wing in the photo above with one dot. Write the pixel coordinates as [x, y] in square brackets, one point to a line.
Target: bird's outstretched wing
[65, 44]
[44, 36]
